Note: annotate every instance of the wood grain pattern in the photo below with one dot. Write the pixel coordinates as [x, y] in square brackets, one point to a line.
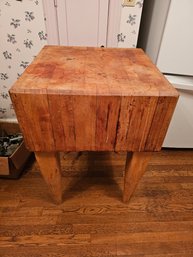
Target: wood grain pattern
[136, 115]
[84, 110]
[136, 165]
[107, 116]
[160, 122]
[93, 221]
[84, 98]
[50, 168]
[35, 122]
[62, 116]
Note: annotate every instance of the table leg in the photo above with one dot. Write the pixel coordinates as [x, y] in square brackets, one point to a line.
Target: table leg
[50, 168]
[136, 164]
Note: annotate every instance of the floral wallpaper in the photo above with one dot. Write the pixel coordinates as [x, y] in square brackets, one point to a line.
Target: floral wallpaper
[22, 34]
[129, 25]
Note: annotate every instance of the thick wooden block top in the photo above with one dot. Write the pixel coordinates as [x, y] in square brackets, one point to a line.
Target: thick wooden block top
[93, 71]
[85, 98]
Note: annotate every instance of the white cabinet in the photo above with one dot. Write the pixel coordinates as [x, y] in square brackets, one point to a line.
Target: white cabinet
[87, 18]
[81, 23]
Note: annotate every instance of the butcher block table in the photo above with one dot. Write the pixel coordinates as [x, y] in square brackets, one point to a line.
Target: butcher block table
[93, 99]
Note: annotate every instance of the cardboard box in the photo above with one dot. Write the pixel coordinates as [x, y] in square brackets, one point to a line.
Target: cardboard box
[12, 166]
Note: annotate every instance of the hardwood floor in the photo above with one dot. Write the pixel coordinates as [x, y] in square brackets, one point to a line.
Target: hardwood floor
[93, 220]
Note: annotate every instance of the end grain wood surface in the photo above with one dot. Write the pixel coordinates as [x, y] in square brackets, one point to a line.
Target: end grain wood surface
[81, 98]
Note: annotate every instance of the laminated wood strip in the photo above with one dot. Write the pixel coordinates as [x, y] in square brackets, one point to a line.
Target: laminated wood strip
[67, 121]
[134, 122]
[84, 122]
[55, 110]
[160, 122]
[107, 116]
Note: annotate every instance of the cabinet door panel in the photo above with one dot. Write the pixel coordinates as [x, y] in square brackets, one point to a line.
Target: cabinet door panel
[82, 23]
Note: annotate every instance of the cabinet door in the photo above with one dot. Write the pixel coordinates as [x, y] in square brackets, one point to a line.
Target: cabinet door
[82, 23]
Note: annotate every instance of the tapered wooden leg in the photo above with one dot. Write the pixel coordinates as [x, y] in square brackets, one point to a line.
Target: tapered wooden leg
[136, 164]
[51, 172]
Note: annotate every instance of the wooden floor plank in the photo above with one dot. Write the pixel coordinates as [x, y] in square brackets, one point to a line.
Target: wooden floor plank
[155, 248]
[92, 220]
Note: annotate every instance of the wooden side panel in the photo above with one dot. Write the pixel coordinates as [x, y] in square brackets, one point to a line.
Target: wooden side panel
[35, 121]
[85, 122]
[107, 116]
[78, 123]
[135, 120]
[161, 120]
[73, 122]
[21, 113]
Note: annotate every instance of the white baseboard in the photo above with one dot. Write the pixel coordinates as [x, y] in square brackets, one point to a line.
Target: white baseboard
[9, 120]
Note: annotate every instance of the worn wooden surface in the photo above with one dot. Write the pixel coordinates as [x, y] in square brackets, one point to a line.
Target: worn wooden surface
[93, 221]
[74, 99]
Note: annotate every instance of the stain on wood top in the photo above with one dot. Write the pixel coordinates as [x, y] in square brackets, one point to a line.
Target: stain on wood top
[93, 71]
